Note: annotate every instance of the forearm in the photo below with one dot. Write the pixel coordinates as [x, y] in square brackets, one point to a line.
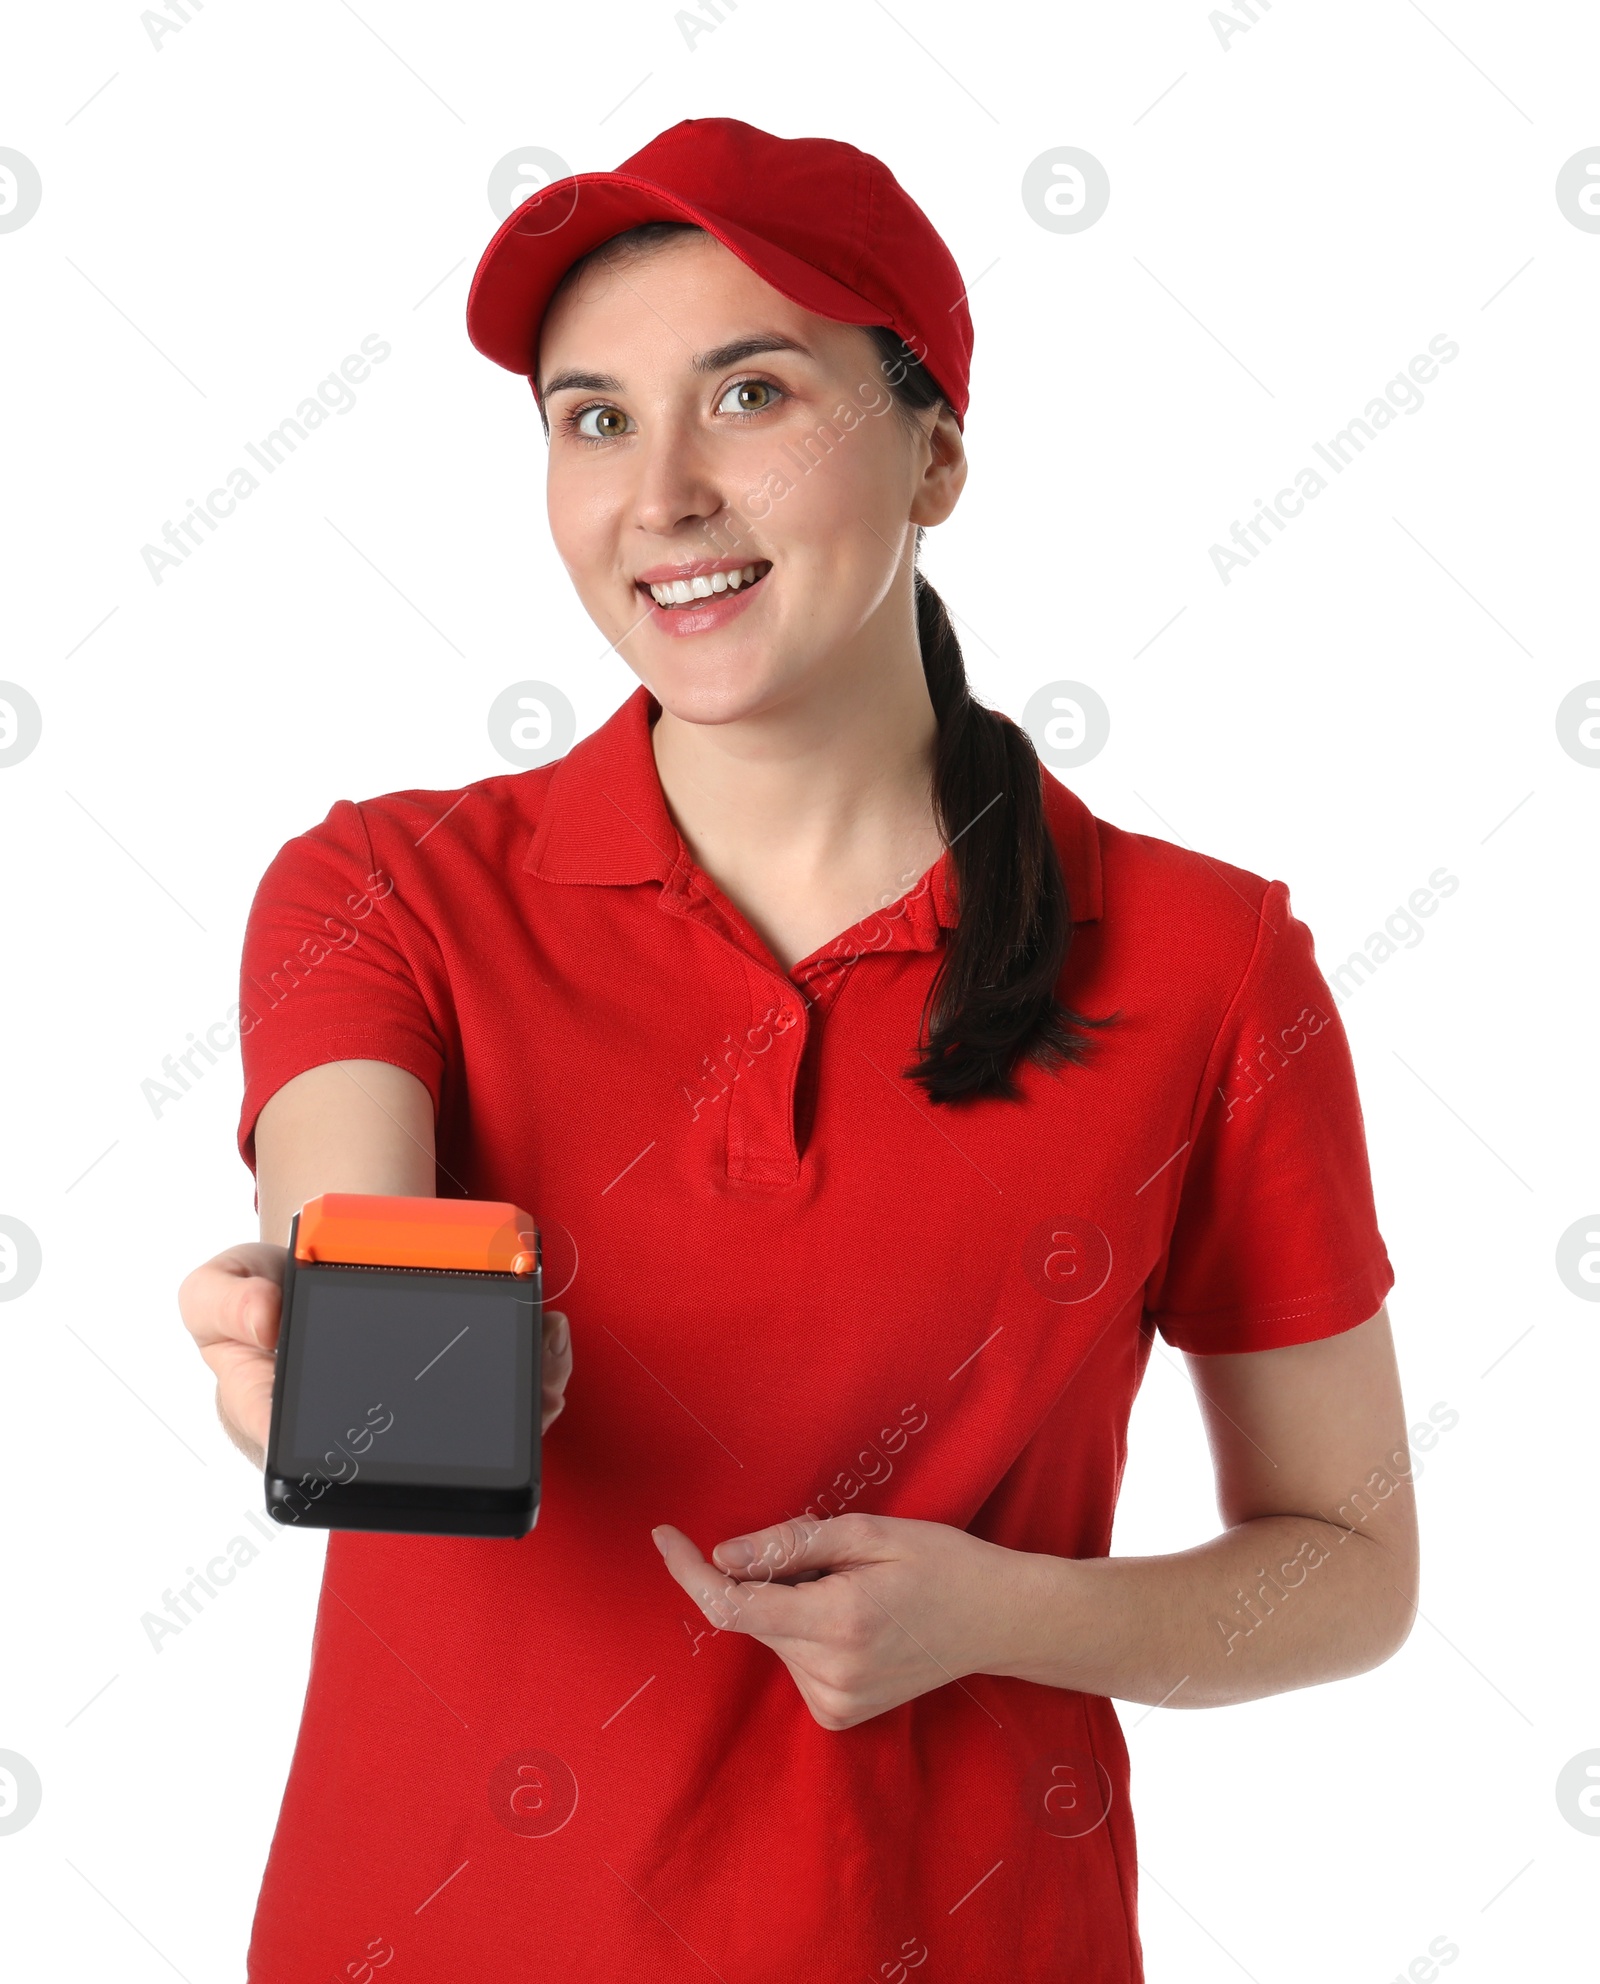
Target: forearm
[1274, 1603]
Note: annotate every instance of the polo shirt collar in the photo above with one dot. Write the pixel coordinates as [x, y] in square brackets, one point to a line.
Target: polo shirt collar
[605, 820]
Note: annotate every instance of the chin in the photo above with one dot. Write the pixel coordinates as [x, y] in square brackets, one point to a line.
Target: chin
[711, 688]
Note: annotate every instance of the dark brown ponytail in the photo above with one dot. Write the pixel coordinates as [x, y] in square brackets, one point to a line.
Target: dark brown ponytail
[992, 1002]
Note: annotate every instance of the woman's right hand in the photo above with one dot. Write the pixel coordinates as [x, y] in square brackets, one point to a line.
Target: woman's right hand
[231, 1307]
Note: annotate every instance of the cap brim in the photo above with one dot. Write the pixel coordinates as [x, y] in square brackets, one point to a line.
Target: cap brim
[537, 243]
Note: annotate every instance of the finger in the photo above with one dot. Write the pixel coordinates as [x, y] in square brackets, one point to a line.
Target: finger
[778, 1551]
[766, 1612]
[803, 1547]
[236, 1297]
[244, 1388]
[557, 1367]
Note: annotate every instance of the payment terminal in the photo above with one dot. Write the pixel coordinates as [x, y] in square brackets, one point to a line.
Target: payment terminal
[409, 1370]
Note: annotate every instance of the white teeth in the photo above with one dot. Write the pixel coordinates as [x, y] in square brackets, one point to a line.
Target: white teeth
[678, 592]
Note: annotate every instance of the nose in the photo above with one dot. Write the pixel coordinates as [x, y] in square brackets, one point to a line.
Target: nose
[678, 486]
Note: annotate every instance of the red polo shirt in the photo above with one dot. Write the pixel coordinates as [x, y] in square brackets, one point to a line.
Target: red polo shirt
[793, 1285]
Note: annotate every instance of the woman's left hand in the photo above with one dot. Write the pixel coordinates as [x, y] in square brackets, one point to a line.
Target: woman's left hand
[865, 1611]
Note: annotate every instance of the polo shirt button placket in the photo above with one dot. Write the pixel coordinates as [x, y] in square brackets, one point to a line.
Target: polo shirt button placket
[762, 1145]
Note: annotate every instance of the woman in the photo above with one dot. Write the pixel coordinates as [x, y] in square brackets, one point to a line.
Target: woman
[878, 1104]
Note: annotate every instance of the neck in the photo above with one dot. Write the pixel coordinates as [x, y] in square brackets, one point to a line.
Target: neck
[816, 808]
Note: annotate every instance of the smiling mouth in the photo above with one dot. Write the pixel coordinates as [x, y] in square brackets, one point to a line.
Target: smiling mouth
[690, 592]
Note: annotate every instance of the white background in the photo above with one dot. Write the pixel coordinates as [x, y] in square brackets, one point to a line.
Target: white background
[1293, 216]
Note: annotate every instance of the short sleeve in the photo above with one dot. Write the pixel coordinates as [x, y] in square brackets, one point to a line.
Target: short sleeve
[1275, 1240]
[325, 974]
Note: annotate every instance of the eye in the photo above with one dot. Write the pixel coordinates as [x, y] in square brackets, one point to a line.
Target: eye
[753, 396]
[610, 421]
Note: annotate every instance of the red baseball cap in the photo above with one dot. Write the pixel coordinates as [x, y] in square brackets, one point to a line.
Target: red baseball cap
[826, 225]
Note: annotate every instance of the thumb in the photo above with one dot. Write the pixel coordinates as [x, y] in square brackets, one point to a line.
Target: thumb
[800, 1548]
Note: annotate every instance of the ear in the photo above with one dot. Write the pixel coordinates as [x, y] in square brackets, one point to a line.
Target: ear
[944, 470]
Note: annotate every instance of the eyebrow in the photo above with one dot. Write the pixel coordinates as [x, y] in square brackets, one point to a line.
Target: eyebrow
[735, 352]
